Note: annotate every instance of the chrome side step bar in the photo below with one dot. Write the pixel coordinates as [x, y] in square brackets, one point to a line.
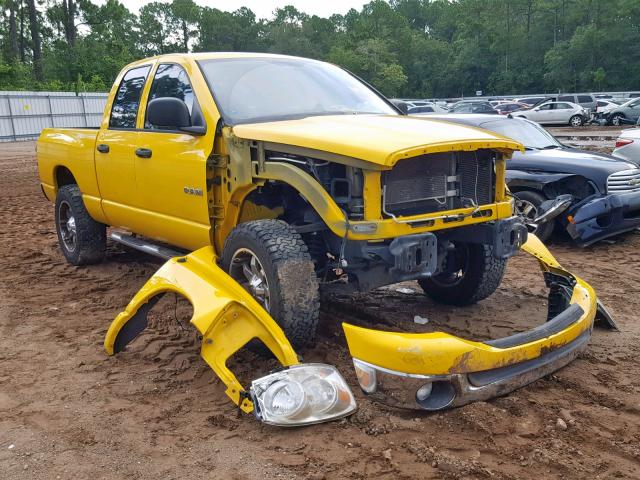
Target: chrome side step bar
[145, 246]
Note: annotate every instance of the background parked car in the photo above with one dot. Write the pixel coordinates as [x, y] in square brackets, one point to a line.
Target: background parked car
[418, 103]
[473, 107]
[629, 111]
[585, 100]
[628, 145]
[426, 108]
[510, 107]
[565, 113]
[604, 106]
[605, 189]
[531, 100]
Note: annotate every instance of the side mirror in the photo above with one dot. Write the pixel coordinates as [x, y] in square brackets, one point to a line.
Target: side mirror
[172, 113]
[537, 109]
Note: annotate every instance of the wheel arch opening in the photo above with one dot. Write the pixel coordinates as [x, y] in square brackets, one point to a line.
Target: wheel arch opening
[63, 176]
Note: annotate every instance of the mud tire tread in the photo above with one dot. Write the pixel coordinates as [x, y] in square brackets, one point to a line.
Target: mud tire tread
[294, 288]
[483, 278]
[91, 235]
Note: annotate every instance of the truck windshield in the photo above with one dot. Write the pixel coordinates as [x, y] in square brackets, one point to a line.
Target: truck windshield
[257, 89]
[527, 133]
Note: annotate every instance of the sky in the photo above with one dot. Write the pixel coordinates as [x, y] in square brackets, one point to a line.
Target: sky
[265, 8]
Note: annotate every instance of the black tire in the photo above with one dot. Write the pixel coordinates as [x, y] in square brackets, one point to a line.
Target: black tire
[534, 200]
[84, 241]
[576, 121]
[479, 275]
[292, 285]
[616, 119]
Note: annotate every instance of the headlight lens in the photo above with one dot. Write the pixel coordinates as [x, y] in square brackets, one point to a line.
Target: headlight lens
[284, 399]
[302, 395]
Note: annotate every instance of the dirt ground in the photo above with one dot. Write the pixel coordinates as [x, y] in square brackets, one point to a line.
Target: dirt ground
[67, 411]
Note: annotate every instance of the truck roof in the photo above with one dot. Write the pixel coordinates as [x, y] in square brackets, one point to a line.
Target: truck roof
[214, 55]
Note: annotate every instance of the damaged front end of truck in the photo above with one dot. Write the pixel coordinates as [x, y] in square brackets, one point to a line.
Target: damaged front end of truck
[429, 371]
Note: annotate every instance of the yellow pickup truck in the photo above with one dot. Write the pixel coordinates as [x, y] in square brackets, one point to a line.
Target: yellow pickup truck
[292, 176]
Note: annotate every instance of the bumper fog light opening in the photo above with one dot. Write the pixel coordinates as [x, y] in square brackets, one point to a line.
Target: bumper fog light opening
[423, 392]
[438, 395]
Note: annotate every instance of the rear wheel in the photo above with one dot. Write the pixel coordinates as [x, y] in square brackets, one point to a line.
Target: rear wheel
[576, 121]
[528, 207]
[82, 240]
[472, 273]
[271, 261]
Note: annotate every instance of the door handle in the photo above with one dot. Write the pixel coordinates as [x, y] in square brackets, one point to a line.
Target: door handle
[103, 148]
[143, 152]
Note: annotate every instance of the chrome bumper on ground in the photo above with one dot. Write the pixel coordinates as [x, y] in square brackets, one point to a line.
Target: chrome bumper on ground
[403, 390]
[437, 370]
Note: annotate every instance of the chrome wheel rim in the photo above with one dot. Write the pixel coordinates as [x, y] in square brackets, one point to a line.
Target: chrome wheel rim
[576, 122]
[247, 270]
[527, 210]
[67, 226]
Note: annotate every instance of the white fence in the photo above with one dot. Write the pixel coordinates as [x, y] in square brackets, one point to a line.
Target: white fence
[23, 115]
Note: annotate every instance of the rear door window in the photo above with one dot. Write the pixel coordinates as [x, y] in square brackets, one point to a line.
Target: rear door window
[125, 106]
[563, 106]
[585, 99]
[566, 98]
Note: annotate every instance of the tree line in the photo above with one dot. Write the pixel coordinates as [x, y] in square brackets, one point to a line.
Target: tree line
[408, 48]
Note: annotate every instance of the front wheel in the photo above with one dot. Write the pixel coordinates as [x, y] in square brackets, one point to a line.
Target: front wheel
[528, 205]
[617, 119]
[271, 261]
[472, 273]
[576, 121]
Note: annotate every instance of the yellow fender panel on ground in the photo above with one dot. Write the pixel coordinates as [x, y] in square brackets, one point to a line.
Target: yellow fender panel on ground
[226, 316]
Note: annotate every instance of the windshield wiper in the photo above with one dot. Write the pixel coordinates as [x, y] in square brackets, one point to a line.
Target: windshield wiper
[549, 147]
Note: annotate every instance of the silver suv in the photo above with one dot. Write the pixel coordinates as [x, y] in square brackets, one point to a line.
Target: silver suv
[585, 100]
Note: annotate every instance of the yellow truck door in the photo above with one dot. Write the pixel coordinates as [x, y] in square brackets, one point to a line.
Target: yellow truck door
[170, 166]
[115, 146]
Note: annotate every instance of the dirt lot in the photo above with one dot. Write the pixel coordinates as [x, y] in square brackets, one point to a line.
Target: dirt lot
[156, 411]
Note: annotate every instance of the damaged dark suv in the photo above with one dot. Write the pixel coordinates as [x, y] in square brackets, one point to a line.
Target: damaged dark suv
[605, 190]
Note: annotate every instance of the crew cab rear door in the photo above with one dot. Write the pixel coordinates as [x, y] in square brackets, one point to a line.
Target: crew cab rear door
[170, 165]
[115, 144]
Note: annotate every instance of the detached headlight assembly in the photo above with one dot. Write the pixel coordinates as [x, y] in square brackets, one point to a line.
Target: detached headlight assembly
[302, 395]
